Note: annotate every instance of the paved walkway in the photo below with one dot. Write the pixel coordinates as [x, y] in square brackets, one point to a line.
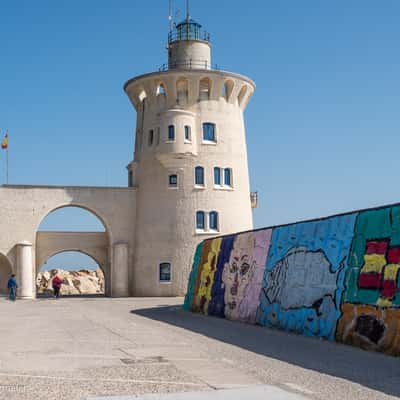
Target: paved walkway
[80, 348]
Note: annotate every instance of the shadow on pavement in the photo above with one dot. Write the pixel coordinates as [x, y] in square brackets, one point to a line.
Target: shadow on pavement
[374, 370]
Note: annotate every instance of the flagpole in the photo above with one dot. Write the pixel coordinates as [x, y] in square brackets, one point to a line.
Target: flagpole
[7, 165]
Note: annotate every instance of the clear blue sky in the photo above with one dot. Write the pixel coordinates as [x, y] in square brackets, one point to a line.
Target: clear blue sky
[322, 128]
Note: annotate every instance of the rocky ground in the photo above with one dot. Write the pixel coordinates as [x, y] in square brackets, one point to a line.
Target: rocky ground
[74, 282]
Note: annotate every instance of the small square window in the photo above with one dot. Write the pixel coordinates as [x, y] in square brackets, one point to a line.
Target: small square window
[209, 132]
[165, 272]
[173, 180]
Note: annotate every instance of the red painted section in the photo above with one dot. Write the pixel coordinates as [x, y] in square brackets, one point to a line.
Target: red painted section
[394, 255]
[377, 247]
[389, 289]
[370, 281]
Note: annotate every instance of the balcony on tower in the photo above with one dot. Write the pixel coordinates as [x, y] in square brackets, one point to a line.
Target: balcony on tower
[189, 46]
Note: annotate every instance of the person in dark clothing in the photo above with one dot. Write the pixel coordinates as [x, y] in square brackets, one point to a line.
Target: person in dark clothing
[12, 288]
[57, 282]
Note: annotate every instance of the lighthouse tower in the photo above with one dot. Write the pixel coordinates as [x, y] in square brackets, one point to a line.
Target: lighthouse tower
[190, 165]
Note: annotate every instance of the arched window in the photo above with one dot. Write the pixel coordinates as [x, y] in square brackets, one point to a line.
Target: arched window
[205, 89]
[182, 90]
[165, 272]
[227, 89]
[171, 132]
[242, 95]
[142, 96]
[209, 132]
[217, 176]
[160, 89]
[227, 177]
[213, 220]
[199, 176]
[200, 220]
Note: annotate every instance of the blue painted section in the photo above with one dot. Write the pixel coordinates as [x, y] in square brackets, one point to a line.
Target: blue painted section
[217, 303]
[327, 240]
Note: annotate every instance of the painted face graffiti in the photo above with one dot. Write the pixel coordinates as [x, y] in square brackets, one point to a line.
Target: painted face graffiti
[237, 274]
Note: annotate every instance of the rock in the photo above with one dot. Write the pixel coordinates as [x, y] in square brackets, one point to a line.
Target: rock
[74, 282]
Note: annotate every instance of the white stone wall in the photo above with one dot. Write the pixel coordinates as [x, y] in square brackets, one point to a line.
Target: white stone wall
[23, 208]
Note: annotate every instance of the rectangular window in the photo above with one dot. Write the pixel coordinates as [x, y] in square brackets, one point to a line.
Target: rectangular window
[171, 132]
[200, 223]
[165, 272]
[213, 220]
[199, 176]
[217, 176]
[228, 177]
[151, 137]
[130, 179]
[173, 180]
[209, 132]
[188, 133]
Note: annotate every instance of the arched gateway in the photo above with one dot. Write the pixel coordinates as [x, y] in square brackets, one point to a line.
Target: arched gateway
[26, 248]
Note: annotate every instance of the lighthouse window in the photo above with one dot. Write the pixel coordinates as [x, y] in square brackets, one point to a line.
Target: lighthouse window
[199, 176]
[200, 220]
[228, 177]
[213, 220]
[173, 180]
[188, 133]
[165, 272]
[151, 137]
[217, 176]
[171, 132]
[205, 88]
[209, 132]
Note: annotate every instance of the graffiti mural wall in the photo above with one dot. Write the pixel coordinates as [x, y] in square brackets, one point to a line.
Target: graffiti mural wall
[337, 278]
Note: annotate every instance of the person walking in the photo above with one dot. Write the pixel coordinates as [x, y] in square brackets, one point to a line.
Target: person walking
[12, 288]
[57, 282]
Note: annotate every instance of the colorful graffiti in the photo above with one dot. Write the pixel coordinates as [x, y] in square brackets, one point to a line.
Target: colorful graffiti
[337, 278]
[371, 304]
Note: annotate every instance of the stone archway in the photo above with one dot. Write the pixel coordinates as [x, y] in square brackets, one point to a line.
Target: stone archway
[5, 272]
[96, 245]
[27, 206]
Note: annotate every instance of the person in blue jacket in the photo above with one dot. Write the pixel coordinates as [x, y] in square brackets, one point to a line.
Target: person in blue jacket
[12, 287]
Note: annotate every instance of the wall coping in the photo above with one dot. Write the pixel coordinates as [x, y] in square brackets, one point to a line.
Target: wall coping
[22, 186]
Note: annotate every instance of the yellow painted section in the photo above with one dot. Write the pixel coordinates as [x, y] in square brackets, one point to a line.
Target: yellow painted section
[207, 275]
[373, 263]
[382, 302]
[391, 271]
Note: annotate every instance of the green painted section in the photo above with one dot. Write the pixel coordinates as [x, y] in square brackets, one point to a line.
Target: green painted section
[192, 278]
[374, 224]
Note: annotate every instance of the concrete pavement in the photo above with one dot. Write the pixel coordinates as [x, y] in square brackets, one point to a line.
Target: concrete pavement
[260, 392]
[86, 347]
